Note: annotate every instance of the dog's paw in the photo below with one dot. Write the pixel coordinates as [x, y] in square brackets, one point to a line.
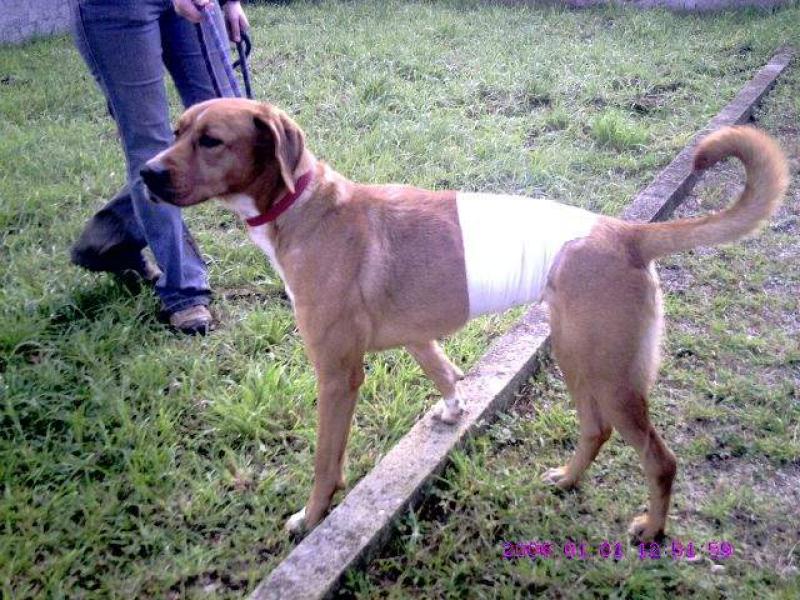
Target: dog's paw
[451, 411]
[296, 524]
[642, 529]
[558, 477]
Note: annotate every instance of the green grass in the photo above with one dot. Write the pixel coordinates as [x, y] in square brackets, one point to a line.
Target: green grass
[615, 131]
[137, 463]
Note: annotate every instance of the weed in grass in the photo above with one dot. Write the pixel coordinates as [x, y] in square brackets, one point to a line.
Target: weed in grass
[614, 130]
[557, 119]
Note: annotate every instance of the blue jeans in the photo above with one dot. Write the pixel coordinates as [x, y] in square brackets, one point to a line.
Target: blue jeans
[126, 45]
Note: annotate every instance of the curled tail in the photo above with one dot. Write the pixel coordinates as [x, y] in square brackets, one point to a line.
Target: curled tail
[767, 180]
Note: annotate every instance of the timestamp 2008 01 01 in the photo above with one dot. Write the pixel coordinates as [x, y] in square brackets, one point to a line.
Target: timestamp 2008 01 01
[615, 550]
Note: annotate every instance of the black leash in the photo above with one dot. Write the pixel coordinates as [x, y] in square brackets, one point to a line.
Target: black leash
[243, 49]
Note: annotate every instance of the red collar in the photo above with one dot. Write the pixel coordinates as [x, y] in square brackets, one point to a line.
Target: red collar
[280, 206]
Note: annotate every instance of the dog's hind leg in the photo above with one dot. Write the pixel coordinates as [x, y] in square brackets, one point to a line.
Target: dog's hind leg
[657, 460]
[444, 375]
[594, 432]
[572, 296]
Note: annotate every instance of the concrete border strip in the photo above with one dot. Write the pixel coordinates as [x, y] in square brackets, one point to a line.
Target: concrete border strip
[363, 520]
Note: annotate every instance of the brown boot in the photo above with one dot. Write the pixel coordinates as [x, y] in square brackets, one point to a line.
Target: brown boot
[194, 320]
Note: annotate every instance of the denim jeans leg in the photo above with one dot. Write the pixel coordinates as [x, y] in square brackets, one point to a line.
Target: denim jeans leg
[115, 224]
[123, 41]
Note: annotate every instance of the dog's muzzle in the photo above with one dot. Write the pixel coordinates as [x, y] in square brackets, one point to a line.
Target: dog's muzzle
[157, 179]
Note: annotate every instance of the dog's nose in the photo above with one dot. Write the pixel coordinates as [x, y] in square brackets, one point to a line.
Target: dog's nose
[156, 178]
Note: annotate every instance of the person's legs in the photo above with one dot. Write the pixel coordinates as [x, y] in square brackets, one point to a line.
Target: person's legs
[112, 240]
[122, 43]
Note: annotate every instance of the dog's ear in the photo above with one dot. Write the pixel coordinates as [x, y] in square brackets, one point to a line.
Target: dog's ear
[287, 140]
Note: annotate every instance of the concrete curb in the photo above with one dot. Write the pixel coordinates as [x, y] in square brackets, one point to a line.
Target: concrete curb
[363, 519]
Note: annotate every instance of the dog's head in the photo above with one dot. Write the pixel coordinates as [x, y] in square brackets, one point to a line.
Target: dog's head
[226, 146]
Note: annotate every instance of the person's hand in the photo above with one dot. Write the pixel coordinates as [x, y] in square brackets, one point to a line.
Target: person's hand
[235, 20]
[190, 9]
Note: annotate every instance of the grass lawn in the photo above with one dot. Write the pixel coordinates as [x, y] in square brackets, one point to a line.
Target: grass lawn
[137, 463]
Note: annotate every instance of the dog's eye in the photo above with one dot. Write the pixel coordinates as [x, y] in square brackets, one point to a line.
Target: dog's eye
[206, 141]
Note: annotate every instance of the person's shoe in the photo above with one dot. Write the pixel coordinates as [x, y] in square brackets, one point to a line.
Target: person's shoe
[195, 320]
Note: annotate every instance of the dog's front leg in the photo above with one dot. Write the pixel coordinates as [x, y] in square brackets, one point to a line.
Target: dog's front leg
[338, 382]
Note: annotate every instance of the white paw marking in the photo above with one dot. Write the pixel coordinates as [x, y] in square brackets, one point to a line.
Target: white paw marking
[297, 522]
[553, 476]
[451, 411]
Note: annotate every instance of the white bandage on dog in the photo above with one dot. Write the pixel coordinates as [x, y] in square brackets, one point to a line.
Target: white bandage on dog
[510, 243]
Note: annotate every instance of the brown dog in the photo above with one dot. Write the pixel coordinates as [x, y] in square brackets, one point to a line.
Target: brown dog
[370, 267]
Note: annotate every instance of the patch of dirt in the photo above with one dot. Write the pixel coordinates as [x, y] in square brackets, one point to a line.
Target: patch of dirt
[13, 80]
[654, 99]
[252, 294]
[508, 102]
[276, 61]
